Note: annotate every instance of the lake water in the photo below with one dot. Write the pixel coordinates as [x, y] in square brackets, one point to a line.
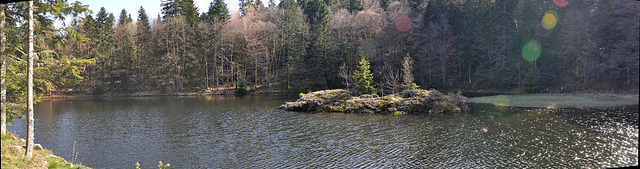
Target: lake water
[247, 132]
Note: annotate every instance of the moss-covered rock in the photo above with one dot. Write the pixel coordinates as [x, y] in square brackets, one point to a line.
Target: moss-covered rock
[410, 101]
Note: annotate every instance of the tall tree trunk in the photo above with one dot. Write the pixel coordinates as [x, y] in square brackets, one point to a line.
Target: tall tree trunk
[3, 82]
[30, 136]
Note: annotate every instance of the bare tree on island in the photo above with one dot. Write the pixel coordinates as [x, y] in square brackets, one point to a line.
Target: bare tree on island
[391, 80]
[407, 76]
[348, 78]
[400, 80]
[30, 125]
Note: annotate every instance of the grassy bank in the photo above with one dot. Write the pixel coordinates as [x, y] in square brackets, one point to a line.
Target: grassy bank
[13, 156]
[558, 100]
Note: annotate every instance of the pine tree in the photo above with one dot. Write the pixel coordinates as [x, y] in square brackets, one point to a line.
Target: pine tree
[143, 44]
[188, 9]
[169, 8]
[217, 10]
[245, 3]
[124, 17]
[295, 32]
[354, 6]
[364, 77]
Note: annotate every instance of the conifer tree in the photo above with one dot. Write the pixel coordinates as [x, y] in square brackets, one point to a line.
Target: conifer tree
[188, 9]
[217, 10]
[295, 32]
[245, 3]
[124, 17]
[364, 77]
[354, 6]
[169, 8]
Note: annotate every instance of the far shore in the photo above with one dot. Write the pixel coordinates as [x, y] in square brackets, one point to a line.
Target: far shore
[474, 96]
[229, 92]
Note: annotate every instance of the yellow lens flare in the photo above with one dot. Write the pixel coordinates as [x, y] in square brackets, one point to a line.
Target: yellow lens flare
[501, 100]
[550, 19]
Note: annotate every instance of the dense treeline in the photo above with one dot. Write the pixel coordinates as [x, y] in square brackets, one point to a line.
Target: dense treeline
[317, 44]
[303, 46]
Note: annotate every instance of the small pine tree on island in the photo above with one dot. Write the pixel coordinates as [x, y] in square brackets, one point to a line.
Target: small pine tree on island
[364, 77]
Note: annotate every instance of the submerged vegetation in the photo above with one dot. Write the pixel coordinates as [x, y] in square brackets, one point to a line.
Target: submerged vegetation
[409, 101]
[558, 100]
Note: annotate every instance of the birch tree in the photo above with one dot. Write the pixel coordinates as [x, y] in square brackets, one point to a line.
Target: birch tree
[30, 124]
[3, 82]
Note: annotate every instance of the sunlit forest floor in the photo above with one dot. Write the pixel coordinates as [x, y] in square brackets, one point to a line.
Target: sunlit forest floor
[558, 100]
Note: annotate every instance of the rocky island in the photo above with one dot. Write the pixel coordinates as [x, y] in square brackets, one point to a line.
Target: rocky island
[409, 101]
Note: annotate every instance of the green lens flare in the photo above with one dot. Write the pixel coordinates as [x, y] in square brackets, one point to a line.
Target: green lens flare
[531, 51]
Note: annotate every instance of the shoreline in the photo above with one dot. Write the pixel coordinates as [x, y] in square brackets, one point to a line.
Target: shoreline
[232, 92]
[13, 155]
[229, 92]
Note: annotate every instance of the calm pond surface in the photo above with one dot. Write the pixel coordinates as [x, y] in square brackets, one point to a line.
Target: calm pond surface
[247, 132]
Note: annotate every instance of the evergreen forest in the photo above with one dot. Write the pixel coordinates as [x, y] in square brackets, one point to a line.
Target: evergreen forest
[519, 46]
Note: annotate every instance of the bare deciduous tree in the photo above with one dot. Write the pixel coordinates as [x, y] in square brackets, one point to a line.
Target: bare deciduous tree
[438, 56]
[348, 78]
[578, 48]
[391, 80]
[407, 75]
[369, 22]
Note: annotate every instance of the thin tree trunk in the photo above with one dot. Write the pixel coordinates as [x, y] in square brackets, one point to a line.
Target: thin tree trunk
[30, 126]
[255, 73]
[215, 66]
[3, 83]
[206, 71]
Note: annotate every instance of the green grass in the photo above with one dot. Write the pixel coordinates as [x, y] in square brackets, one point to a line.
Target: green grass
[558, 100]
[56, 163]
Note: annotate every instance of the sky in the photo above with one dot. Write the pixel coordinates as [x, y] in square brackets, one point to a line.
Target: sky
[151, 6]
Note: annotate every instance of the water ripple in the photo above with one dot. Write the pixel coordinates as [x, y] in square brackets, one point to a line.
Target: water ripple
[247, 133]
